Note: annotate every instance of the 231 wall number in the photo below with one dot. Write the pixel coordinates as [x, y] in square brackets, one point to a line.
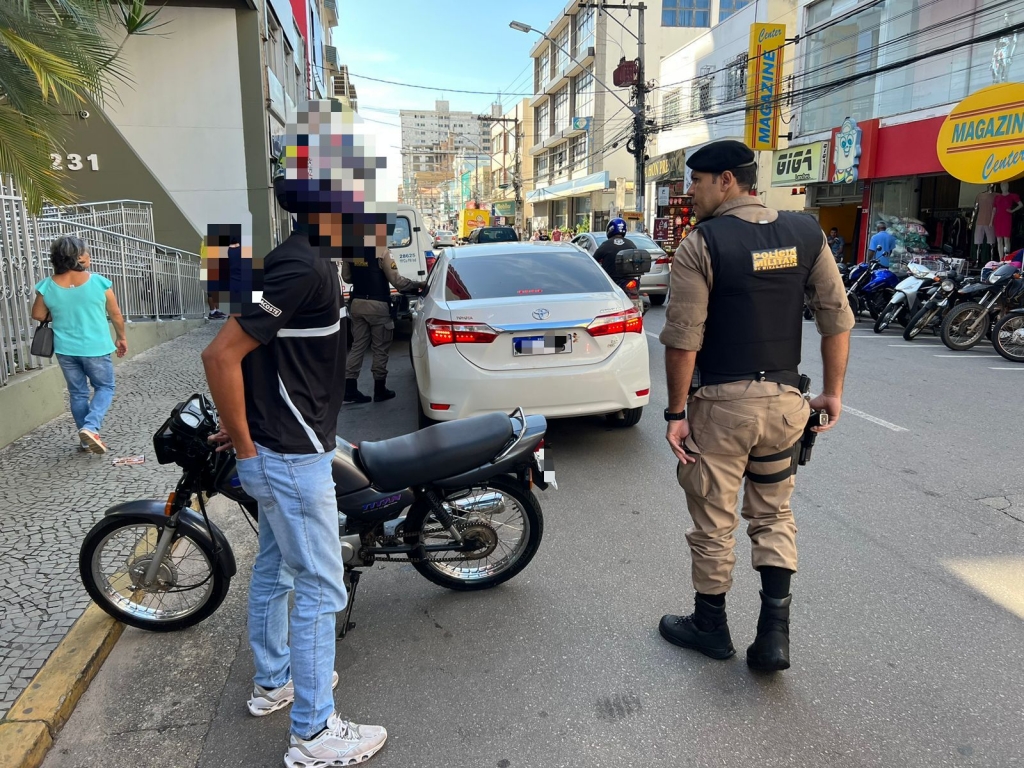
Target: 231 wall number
[74, 162]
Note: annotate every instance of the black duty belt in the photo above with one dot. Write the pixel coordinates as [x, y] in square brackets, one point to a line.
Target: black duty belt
[367, 297]
[789, 378]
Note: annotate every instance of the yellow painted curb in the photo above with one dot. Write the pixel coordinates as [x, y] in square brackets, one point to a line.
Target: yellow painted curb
[23, 744]
[39, 713]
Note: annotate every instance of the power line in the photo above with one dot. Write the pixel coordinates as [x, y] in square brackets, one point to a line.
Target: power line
[430, 87]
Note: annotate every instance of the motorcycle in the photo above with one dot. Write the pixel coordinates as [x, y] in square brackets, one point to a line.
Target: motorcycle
[1008, 336]
[945, 296]
[878, 290]
[630, 265]
[904, 301]
[986, 301]
[455, 500]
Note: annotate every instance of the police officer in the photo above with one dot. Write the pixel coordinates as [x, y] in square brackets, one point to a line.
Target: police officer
[617, 241]
[733, 319]
[370, 317]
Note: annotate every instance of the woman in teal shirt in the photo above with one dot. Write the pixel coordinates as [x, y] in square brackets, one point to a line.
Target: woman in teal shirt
[79, 301]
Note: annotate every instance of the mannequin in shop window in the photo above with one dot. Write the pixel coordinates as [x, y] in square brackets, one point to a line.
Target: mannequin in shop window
[1005, 205]
[984, 210]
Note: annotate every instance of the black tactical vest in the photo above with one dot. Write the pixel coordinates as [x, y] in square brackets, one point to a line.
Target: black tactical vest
[755, 317]
[369, 281]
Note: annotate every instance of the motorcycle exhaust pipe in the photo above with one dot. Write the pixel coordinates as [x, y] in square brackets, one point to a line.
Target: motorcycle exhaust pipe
[483, 504]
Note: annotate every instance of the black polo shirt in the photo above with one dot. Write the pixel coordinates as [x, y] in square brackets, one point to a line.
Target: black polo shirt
[294, 381]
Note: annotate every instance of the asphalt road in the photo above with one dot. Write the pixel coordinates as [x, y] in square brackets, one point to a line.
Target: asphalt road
[907, 613]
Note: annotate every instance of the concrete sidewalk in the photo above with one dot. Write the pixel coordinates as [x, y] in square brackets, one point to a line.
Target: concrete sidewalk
[52, 494]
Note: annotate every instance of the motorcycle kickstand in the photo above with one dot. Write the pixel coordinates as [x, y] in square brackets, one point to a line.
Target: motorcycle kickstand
[343, 619]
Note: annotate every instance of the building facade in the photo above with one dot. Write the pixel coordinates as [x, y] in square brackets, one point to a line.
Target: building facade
[873, 87]
[512, 166]
[582, 171]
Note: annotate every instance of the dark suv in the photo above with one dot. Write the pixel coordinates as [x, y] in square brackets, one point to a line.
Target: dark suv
[493, 235]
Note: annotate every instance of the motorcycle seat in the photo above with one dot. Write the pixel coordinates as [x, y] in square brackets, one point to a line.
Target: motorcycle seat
[434, 453]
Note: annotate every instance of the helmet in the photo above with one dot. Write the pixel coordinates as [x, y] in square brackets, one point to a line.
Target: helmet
[616, 227]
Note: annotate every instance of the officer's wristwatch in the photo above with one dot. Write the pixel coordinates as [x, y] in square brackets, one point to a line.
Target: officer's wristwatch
[669, 416]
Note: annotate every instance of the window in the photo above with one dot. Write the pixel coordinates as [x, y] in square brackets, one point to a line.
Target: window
[541, 121]
[403, 233]
[583, 95]
[672, 108]
[700, 96]
[578, 152]
[561, 110]
[727, 8]
[558, 160]
[551, 273]
[686, 13]
[560, 213]
[542, 71]
[582, 32]
[736, 78]
[540, 169]
[561, 49]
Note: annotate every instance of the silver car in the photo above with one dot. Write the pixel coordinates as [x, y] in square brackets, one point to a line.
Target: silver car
[444, 239]
[655, 282]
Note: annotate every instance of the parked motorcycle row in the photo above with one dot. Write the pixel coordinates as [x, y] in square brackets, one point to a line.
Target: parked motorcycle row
[935, 298]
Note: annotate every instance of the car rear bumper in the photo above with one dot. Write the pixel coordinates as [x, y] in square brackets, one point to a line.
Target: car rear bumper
[656, 283]
[445, 377]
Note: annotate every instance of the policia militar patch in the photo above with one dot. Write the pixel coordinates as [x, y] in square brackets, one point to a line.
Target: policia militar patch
[776, 258]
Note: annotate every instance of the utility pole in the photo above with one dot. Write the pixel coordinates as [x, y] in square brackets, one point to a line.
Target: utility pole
[637, 144]
[517, 177]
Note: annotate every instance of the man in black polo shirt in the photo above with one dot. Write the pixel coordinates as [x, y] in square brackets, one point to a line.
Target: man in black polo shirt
[276, 374]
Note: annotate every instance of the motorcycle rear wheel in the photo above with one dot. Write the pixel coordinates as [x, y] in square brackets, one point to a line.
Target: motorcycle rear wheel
[113, 559]
[955, 333]
[505, 560]
[1008, 338]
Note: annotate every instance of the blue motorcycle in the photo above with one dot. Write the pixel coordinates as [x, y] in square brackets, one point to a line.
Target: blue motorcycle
[870, 287]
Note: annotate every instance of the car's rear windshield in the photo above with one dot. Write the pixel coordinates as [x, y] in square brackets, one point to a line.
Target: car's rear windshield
[546, 273]
[636, 238]
[498, 236]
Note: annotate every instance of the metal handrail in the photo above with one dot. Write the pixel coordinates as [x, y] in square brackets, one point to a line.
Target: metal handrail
[76, 225]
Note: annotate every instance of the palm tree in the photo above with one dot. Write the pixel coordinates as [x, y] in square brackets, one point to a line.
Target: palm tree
[55, 58]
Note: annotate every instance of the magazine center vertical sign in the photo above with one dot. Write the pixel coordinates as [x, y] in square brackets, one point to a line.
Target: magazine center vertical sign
[764, 85]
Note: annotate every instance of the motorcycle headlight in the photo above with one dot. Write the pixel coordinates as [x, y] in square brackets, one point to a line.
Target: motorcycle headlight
[947, 285]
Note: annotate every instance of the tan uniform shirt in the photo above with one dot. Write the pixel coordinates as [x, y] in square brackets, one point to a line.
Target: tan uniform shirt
[396, 278]
[691, 281]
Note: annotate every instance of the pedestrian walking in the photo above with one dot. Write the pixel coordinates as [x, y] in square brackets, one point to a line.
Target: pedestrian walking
[78, 302]
[737, 410]
[372, 323]
[275, 373]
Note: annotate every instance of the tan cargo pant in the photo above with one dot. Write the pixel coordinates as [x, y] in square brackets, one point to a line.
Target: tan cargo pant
[371, 325]
[731, 427]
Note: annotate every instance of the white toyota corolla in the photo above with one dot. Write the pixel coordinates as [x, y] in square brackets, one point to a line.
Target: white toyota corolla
[536, 325]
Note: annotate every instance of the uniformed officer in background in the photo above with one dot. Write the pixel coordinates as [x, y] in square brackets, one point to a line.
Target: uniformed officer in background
[371, 321]
[738, 284]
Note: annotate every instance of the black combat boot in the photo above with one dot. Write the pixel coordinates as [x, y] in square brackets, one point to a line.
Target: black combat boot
[770, 650]
[380, 391]
[352, 393]
[705, 630]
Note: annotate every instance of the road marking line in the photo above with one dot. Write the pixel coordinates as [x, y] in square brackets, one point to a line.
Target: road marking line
[1021, 368]
[874, 419]
[653, 335]
[912, 346]
[966, 356]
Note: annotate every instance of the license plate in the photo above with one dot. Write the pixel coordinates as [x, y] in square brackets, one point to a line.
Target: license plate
[544, 468]
[541, 345]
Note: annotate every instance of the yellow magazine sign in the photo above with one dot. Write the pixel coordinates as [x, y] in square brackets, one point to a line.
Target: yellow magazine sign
[764, 85]
[982, 140]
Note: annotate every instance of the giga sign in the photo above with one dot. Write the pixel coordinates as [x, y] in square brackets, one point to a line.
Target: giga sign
[982, 140]
[764, 85]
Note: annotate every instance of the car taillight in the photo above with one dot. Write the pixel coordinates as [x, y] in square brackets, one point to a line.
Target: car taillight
[444, 332]
[666, 259]
[627, 321]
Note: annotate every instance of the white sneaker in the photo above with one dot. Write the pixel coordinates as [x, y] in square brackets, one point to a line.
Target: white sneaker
[264, 702]
[340, 743]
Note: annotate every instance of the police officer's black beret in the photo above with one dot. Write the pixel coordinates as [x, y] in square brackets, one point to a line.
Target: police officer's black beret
[721, 156]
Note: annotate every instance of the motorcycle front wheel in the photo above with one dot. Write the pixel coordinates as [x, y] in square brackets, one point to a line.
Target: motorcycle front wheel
[886, 317]
[919, 322]
[1008, 338]
[113, 562]
[500, 517]
[965, 326]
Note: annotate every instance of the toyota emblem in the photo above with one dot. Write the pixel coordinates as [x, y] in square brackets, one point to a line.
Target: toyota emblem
[541, 314]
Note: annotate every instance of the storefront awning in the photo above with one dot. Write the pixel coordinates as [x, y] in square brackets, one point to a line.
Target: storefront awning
[581, 186]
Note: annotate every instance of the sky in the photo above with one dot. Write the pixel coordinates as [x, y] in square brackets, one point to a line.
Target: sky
[437, 43]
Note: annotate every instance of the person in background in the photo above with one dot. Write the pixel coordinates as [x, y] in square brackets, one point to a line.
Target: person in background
[544, 236]
[836, 244]
[556, 235]
[79, 301]
[881, 245]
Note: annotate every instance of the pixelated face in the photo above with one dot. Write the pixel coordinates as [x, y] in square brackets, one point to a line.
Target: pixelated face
[234, 279]
[331, 181]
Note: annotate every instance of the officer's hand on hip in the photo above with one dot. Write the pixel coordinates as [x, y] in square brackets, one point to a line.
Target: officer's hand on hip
[675, 434]
[831, 405]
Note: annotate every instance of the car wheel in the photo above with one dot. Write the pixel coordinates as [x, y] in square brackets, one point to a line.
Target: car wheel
[657, 299]
[628, 417]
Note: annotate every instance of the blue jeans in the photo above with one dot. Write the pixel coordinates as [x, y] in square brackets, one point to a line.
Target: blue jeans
[79, 373]
[300, 551]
